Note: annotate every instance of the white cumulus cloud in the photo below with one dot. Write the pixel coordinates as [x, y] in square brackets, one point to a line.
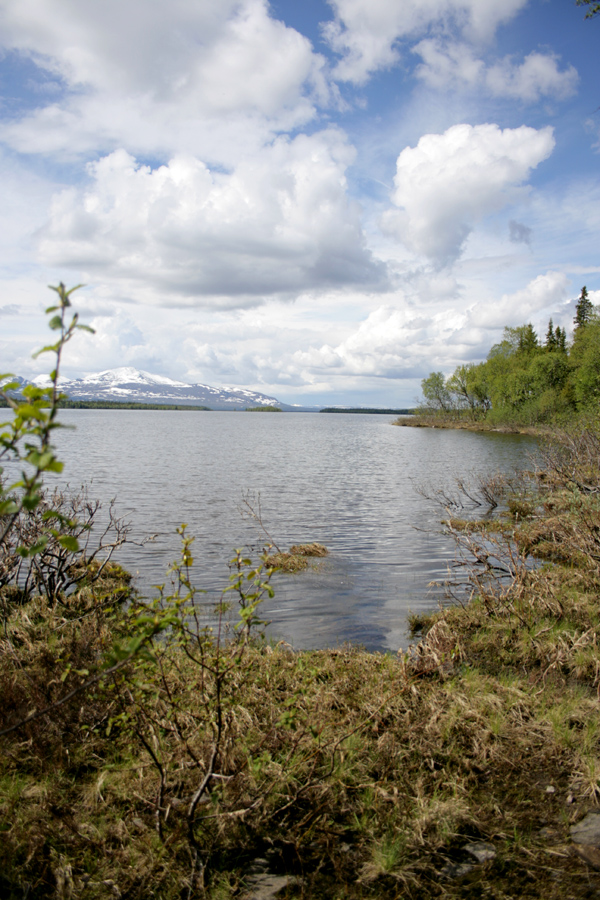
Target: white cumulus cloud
[410, 338]
[366, 32]
[161, 77]
[451, 181]
[382, 345]
[279, 222]
[450, 66]
[545, 292]
[399, 341]
[538, 76]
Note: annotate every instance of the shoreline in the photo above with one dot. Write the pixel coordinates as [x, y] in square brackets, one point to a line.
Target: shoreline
[417, 421]
[468, 765]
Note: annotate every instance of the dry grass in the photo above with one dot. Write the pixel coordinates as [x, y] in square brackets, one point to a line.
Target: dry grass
[379, 777]
[297, 558]
[436, 420]
[361, 775]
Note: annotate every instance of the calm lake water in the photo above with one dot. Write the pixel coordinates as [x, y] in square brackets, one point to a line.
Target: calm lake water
[347, 481]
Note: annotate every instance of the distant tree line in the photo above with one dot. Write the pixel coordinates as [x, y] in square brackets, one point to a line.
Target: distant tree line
[525, 378]
[112, 404]
[263, 409]
[371, 411]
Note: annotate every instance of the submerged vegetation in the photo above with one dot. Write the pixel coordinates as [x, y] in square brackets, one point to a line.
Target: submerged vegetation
[144, 753]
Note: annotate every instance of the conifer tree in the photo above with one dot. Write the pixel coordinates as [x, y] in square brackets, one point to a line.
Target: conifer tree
[551, 337]
[527, 341]
[583, 310]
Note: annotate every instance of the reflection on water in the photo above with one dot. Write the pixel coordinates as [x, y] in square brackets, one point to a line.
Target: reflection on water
[348, 482]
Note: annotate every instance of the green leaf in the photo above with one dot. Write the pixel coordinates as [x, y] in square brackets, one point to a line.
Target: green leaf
[55, 323]
[69, 542]
[30, 501]
[71, 290]
[49, 348]
[56, 515]
[36, 393]
[34, 549]
[41, 460]
[27, 411]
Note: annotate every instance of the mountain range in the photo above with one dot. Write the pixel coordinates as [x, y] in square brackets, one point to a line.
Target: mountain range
[133, 385]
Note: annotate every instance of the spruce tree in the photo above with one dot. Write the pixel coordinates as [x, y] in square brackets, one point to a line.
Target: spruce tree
[583, 310]
[527, 341]
[551, 341]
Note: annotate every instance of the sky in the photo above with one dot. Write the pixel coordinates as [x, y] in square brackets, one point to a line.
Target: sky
[321, 201]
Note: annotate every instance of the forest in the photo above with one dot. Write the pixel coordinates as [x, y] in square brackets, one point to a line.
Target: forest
[525, 379]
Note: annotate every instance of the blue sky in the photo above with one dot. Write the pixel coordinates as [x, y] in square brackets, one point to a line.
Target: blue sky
[323, 201]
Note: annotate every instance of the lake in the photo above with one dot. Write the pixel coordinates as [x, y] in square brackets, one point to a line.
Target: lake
[347, 481]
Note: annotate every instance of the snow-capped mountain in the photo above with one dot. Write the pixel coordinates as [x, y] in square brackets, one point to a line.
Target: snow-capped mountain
[12, 378]
[129, 384]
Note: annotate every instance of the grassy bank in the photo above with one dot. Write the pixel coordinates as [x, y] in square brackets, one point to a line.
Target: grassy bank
[381, 411]
[465, 423]
[177, 762]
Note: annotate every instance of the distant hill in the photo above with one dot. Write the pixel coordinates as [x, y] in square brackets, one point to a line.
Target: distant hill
[136, 386]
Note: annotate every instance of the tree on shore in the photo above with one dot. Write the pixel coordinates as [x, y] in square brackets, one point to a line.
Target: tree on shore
[550, 337]
[436, 394]
[522, 378]
[594, 9]
[469, 389]
[584, 309]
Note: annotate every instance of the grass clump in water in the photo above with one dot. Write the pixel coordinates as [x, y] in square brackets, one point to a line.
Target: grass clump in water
[419, 623]
[297, 558]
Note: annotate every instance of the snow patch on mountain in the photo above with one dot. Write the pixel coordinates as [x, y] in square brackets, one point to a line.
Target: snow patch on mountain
[129, 375]
[43, 381]
[135, 385]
